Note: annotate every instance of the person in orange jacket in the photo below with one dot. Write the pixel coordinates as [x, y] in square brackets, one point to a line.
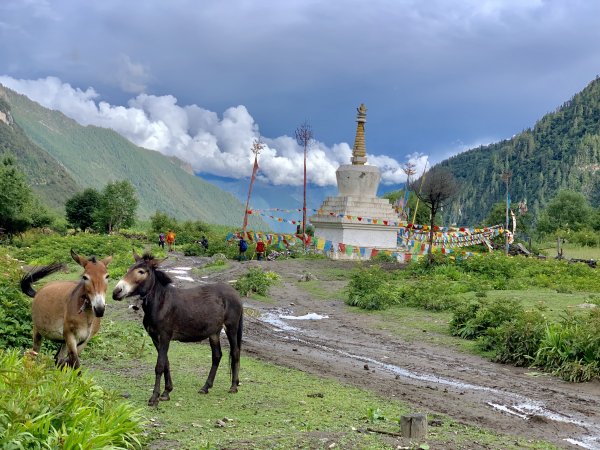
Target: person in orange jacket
[170, 240]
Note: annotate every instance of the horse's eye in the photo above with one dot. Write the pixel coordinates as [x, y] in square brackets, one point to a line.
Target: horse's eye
[141, 272]
[106, 277]
[85, 277]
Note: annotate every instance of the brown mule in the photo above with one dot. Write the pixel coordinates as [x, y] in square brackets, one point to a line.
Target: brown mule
[68, 311]
[185, 315]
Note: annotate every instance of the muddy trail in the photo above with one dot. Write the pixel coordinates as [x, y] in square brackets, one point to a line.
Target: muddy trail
[321, 335]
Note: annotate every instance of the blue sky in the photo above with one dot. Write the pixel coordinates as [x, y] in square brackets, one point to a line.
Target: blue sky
[201, 80]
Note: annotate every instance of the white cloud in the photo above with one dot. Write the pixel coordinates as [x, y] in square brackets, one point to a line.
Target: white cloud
[212, 145]
[131, 76]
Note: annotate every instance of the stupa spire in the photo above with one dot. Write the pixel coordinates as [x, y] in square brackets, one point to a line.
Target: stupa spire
[359, 151]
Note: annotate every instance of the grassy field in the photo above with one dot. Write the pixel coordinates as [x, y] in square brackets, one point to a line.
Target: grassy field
[276, 408]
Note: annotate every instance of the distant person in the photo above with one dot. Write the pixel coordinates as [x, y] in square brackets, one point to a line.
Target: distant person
[260, 250]
[204, 243]
[243, 245]
[161, 240]
[170, 240]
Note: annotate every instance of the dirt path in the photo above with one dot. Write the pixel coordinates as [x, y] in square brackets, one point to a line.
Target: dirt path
[355, 349]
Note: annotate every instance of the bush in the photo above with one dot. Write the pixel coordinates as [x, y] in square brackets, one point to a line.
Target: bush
[371, 289]
[15, 307]
[474, 318]
[42, 407]
[517, 340]
[256, 280]
[571, 348]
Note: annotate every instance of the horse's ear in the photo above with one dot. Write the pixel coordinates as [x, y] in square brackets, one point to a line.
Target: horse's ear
[81, 260]
[106, 261]
[136, 256]
[158, 262]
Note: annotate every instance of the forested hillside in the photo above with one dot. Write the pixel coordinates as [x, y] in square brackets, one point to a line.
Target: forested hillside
[94, 156]
[48, 178]
[562, 151]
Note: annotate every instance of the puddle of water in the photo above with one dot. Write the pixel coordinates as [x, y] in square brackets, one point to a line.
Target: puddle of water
[184, 278]
[309, 316]
[278, 324]
[591, 445]
[181, 272]
[182, 268]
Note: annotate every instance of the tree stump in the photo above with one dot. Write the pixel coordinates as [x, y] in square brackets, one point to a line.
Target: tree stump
[413, 426]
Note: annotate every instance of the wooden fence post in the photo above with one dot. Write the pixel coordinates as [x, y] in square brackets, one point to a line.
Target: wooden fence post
[413, 426]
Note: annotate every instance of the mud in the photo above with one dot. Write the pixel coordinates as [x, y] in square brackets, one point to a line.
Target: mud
[356, 349]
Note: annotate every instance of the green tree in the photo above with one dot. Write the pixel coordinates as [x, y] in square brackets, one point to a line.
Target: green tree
[569, 210]
[82, 207]
[118, 205]
[497, 216]
[422, 216]
[16, 198]
[161, 222]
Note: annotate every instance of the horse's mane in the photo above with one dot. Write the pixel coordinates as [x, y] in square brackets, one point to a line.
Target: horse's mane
[161, 276]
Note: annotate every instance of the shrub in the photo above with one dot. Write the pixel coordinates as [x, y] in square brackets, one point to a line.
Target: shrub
[517, 340]
[473, 319]
[256, 280]
[370, 289]
[571, 348]
[383, 257]
[42, 407]
[15, 307]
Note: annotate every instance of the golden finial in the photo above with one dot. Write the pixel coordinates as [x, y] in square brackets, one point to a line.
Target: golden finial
[359, 152]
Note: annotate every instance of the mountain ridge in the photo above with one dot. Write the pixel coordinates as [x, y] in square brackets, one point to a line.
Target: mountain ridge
[561, 151]
[93, 156]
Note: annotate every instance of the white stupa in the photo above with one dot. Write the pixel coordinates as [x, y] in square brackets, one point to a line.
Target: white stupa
[356, 216]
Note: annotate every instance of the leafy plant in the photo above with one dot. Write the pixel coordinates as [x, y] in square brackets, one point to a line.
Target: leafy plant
[256, 280]
[370, 289]
[42, 407]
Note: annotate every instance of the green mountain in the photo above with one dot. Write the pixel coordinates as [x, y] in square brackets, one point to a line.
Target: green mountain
[562, 151]
[91, 156]
[48, 178]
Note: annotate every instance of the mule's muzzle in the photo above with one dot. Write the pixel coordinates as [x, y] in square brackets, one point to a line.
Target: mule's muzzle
[117, 293]
[99, 311]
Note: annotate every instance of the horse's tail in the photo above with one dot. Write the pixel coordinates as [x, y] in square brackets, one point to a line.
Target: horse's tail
[37, 274]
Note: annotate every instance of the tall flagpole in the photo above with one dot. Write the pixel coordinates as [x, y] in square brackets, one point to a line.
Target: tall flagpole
[304, 136]
[257, 146]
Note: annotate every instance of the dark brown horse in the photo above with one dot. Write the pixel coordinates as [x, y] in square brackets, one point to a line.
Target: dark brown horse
[68, 311]
[185, 315]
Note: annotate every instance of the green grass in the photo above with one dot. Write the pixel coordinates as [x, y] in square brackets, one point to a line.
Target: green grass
[554, 304]
[276, 407]
[322, 290]
[572, 251]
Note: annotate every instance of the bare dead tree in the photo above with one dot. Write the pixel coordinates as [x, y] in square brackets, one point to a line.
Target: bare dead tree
[435, 189]
[304, 137]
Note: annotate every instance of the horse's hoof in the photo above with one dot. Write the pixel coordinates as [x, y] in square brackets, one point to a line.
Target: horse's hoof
[153, 402]
[233, 390]
[203, 391]
[164, 397]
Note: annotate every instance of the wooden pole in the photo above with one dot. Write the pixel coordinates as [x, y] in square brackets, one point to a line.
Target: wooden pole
[420, 186]
[413, 426]
[257, 146]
